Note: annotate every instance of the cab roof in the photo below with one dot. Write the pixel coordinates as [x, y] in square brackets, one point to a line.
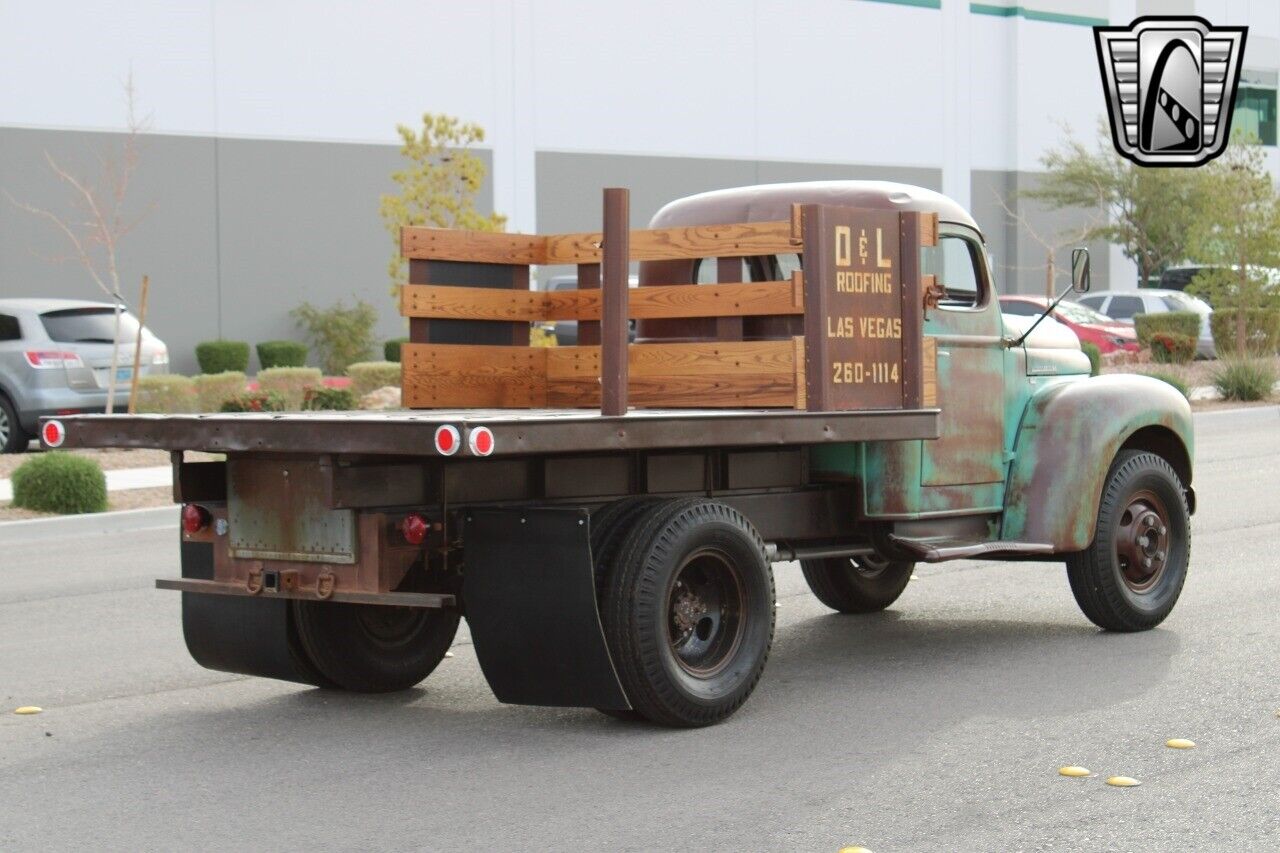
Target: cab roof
[766, 202]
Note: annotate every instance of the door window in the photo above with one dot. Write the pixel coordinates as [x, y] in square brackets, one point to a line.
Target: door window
[954, 261]
[1021, 309]
[1124, 307]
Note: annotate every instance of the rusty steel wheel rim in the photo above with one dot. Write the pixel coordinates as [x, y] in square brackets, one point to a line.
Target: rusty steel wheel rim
[870, 566]
[1142, 541]
[705, 607]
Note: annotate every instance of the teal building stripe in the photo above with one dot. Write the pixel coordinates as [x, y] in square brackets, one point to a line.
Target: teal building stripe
[920, 4]
[1036, 15]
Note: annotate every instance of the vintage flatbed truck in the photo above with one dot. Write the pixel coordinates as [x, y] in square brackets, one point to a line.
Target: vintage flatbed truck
[821, 374]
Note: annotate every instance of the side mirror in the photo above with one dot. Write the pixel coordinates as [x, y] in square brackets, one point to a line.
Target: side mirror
[1080, 270]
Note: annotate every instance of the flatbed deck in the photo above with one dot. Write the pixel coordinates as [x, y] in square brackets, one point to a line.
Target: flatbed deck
[516, 432]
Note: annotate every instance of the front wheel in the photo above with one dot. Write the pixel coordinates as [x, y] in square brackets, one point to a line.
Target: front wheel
[688, 612]
[1130, 576]
[858, 584]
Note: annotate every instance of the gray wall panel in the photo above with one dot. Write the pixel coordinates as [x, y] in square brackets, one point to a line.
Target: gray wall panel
[234, 238]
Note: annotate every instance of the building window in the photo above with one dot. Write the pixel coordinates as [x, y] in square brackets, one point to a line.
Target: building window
[1256, 113]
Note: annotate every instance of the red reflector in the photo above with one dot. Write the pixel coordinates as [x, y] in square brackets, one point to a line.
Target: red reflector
[414, 527]
[447, 440]
[53, 434]
[480, 440]
[194, 519]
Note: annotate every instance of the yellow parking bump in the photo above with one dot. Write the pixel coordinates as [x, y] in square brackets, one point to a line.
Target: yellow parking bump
[1123, 782]
[27, 709]
[1180, 743]
[1073, 770]
[854, 850]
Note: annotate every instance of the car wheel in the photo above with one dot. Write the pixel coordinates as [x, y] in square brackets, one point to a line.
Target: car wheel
[13, 438]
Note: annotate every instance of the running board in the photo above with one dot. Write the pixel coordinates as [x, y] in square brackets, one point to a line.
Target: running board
[939, 550]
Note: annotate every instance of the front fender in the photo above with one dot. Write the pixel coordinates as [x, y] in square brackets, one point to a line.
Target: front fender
[1069, 435]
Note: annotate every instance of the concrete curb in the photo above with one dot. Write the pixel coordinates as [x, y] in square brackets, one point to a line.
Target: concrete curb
[92, 524]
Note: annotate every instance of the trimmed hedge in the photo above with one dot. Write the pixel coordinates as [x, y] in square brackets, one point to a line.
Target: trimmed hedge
[167, 394]
[214, 389]
[255, 401]
[1095, 357]
[1261, 327]
[369, 376]
[1171, 380]
[1172, 348]
[60, 482]
[1186, 323]
[291, 383]
[1244, 379]
[222, 356]
[329, 400]
[391, 349]
[282, 354]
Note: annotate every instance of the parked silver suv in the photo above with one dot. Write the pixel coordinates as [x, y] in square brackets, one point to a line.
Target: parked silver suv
[55, 359]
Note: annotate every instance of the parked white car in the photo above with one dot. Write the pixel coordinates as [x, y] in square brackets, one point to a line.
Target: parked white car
[1125, 305]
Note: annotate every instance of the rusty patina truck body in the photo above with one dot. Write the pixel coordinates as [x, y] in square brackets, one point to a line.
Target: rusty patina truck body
[821, 373]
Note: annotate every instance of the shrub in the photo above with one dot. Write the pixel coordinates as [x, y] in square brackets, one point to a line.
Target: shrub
[341, 335]
[1172, 348]
[222, 356]
[1095, 357]
[329, 399]
[1244, 379]
[371, 375]
[60, 482]
[291, 383]
[214, 389]
[281, 354]
[1185, 323]
[391, 349]
[1261, 329]
[166, 394]
[255, 401]
[1171, 379]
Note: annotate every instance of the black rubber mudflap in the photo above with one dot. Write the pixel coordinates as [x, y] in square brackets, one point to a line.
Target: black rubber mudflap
[250, 636]
[530, 595]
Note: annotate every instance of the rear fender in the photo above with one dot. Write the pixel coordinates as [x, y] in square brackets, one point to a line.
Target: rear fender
[1069, 435]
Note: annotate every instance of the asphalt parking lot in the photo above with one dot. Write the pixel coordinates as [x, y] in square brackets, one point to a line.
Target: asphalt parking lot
[938, 725]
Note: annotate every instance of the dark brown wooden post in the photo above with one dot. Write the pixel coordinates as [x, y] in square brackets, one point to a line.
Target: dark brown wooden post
[588, 330]
[729, 328]
[915, 231]
[615, 264]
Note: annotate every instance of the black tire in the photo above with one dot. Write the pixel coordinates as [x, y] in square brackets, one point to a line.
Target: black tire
[1130, 576]
[13, 438]
[609, 526]
[688, 612]
[858, 584]
[374, 648]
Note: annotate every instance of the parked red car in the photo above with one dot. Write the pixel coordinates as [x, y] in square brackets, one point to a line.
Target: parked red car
[1089, 325]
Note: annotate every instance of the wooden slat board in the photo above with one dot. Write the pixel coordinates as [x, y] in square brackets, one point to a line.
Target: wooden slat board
[704, 241]
[437, 376]
[738, 299]
[691, 375]
[657, 244]
[929, 369]
[484, 247]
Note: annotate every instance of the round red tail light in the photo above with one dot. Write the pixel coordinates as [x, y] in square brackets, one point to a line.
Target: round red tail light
[194, 519]
[53, 433]
[480, 440]
[447, 440]
[414, 529]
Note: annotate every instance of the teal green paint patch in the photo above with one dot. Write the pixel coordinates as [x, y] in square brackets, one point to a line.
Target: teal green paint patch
[1036, 15]
[919, 4]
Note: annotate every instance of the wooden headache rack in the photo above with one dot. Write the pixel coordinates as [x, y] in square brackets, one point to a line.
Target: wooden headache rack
[470, 304]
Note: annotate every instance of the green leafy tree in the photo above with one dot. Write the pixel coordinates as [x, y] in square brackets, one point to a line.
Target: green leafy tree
[438, 186]
[340, 335]
[1146, 209]
[1235, 230]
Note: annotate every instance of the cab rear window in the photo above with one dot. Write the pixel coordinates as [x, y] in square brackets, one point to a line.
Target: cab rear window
[88, 326]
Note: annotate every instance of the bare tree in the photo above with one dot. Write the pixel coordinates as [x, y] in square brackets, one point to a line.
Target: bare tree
[98, 221]
[1051, 244]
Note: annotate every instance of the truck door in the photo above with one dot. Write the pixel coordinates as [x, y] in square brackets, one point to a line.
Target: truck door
[967, 330]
